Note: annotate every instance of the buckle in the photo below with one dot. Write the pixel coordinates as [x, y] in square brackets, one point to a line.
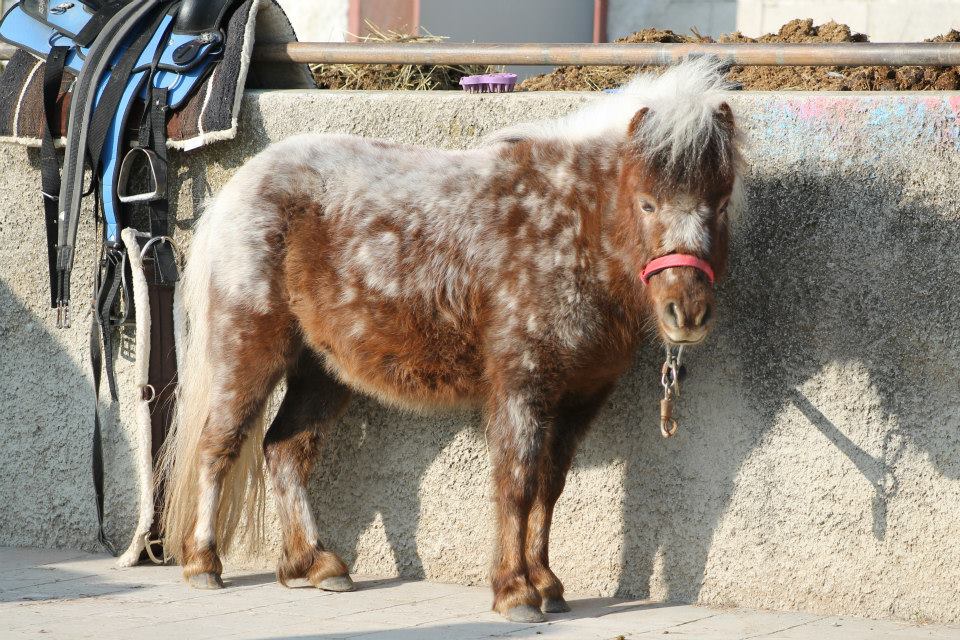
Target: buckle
[35, 8]
[166, 258]
[63, 315]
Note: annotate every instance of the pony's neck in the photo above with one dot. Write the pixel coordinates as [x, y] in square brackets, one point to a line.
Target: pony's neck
[606, 221]
[598, 170]
[622, 252]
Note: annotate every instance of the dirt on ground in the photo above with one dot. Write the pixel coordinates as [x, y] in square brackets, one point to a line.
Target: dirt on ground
[879, 78]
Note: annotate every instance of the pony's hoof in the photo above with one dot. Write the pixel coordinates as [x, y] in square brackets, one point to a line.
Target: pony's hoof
[336, 583]
[555, 605]
[205, 581]
[525, 613]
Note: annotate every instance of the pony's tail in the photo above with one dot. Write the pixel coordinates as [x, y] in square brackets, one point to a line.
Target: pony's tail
[178, 470]
[242, 492]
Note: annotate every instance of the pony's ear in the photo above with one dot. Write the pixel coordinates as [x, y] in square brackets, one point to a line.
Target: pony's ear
[725, 116]
[636, 121]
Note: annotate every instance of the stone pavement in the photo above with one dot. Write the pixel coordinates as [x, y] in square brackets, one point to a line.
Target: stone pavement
[70, 594]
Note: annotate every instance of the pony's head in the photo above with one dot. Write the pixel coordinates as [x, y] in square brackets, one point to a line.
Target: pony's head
[678, 174]
[678, 167]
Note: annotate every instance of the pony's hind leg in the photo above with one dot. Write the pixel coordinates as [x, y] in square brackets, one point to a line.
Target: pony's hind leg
[251, 353]
[313, 402]
[572, 420]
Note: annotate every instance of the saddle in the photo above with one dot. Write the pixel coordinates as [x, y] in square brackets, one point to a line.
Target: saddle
[116, 83]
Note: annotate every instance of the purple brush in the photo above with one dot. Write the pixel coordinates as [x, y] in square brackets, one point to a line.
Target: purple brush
[489, 83]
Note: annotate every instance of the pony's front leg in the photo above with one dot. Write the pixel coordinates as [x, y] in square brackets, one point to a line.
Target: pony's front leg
[516, 440]
[572, 420]
[553, 476]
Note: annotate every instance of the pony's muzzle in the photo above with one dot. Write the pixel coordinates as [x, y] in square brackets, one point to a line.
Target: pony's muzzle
[685, 321]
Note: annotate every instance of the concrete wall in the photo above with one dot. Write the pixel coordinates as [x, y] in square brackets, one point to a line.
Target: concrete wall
[709, 17]
[818, 462]
[510, 21]
[882, 20]
[318, 20]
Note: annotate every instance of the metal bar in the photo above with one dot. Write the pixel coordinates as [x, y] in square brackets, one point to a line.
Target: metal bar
[599, 21]
[759, 54]
[768, 54]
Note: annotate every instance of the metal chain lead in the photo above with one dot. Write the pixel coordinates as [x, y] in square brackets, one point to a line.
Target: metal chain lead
[670, 381]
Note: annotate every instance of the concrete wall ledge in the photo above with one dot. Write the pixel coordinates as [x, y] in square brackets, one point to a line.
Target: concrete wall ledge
[818, 462]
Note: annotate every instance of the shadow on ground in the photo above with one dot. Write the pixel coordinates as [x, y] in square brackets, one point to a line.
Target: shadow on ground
[40, 575]
[461, 631]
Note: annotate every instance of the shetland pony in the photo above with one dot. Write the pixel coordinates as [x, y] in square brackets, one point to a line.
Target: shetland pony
[505, 277]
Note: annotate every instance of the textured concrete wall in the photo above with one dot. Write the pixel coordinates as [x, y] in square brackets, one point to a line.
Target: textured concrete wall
[818, 462]
[709, 17]
[883, 20]
[318, 20]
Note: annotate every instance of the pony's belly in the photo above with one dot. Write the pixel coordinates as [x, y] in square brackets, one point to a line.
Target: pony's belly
[400, 357]
[411, 383]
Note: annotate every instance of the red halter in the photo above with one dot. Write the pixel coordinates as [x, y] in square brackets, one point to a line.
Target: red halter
[675, 260]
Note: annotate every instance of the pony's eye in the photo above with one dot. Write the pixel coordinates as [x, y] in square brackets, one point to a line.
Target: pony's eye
[648, 206]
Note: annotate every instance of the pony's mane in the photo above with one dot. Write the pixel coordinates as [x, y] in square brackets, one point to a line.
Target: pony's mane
[679, 129]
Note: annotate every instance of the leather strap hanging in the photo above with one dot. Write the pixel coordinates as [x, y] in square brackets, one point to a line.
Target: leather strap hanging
[49, 163]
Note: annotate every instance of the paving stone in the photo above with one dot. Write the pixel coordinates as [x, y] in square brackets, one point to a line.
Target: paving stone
[75, 596]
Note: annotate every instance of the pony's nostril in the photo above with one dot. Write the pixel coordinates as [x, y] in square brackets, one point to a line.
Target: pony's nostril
[673, 315]
[705, 316]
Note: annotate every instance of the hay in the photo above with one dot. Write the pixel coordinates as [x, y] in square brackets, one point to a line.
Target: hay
[393, 77]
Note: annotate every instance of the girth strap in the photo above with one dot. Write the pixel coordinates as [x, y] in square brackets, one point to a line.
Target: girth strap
[165, 266]
[49, 164]
[102, 14]
[112, 282]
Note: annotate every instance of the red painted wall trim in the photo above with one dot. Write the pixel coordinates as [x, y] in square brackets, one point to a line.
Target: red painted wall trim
[393, 15]
[600, 20]
[353, 21]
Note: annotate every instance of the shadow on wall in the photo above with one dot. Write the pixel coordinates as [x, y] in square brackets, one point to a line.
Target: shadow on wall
[46, 415]
[818, 280]
[823, 276]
